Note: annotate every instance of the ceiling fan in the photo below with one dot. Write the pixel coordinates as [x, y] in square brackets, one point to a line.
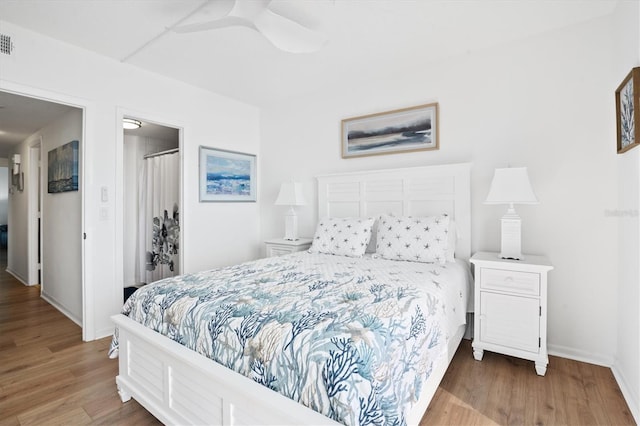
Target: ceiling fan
[282, 23]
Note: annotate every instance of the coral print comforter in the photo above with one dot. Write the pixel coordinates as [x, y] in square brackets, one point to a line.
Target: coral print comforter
[354, 339]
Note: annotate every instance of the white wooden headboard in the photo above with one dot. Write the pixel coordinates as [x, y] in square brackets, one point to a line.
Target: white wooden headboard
[414, 191]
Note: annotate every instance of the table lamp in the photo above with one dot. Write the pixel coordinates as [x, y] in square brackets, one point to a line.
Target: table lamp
[290, 195]
[511, 186]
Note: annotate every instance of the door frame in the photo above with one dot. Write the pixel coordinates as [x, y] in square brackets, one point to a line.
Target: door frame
[34, 228]
[148, 117]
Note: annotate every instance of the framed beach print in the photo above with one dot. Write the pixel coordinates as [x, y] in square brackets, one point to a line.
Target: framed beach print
[227, 175]
[628, 111]
[402, 130]
[62, 168]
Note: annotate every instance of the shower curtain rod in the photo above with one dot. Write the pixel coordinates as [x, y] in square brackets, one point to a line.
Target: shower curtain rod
[157, 154]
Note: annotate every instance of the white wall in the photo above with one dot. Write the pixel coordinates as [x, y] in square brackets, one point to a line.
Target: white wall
[17, 219]
[62, 224]
[544, 103]
[135, 148]
[627, 360]
[213, 233]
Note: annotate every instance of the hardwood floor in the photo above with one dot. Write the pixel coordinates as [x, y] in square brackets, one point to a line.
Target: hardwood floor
[49, 376]
[507, 391]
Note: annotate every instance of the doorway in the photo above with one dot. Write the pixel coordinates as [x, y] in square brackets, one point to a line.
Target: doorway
[152, 203]
[35, 123]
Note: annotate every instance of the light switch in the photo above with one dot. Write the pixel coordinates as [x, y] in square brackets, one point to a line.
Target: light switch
[104, 194]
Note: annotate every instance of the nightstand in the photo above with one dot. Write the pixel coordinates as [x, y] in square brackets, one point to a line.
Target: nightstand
[280, 246]
[511, 307]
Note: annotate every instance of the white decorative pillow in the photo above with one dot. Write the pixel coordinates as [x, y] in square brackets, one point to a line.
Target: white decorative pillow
[417, 239]
[342, 236]
[451, 244]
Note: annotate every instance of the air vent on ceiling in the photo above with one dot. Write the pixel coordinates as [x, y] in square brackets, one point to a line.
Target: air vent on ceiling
[6, 46]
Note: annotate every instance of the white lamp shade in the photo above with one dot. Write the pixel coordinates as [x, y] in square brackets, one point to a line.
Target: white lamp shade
[290, 195]
[511, 186]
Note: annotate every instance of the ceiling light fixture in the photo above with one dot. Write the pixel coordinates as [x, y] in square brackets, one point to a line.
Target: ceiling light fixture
[131, 124]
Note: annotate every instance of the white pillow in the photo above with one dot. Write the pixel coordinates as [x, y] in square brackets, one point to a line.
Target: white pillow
[416, 239]
[342, 236]
[451, 244]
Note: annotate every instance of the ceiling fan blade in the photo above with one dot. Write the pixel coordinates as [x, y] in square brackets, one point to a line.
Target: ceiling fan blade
[249, 9]
[216, 9]
[287, 34]
[229, 21]
[211, 11]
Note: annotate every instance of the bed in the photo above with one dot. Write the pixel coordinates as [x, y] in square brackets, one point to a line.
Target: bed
[180, 386]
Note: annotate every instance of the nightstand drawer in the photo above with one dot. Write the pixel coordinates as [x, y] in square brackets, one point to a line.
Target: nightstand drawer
[280, 251]
[280, 246]
[510, 281]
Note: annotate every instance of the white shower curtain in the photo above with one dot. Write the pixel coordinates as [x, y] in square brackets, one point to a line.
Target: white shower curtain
[158, 224]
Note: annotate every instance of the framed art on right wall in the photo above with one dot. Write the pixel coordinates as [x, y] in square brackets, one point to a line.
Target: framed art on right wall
[628, 111]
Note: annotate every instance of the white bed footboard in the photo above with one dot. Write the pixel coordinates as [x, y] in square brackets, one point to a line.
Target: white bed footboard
[180, 386]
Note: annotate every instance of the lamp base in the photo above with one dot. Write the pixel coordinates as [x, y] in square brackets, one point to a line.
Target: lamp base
[291, 225]
[511, 236]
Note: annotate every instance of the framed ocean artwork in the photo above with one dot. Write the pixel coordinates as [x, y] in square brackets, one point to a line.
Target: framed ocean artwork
[628, 111]
[62, 168]
[227, 175]
[401, 130]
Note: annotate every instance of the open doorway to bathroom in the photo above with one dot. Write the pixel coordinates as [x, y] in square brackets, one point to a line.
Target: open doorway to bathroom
[152, 203]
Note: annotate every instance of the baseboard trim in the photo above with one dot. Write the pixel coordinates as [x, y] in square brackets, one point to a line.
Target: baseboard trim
[53, 302]
[17, 277]
[628, 394]
[582, 356]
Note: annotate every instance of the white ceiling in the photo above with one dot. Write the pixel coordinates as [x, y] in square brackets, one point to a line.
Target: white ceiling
[368, 40]
[20, 117]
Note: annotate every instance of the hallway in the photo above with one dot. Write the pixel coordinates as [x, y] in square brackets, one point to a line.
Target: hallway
[47, 374]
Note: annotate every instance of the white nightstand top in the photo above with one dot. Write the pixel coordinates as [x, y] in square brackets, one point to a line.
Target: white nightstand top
[298, 242]
[529, 260]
